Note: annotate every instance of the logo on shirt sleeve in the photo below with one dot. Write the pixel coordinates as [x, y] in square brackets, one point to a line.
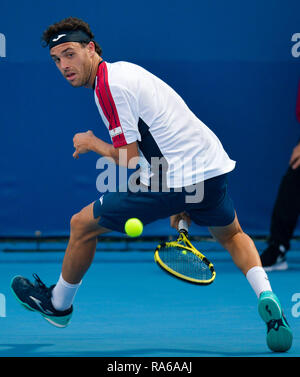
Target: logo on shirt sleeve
[115, 131]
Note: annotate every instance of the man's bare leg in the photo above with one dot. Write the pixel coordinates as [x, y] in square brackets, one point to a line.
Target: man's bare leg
[78, 256]
[246, 257]
[244, 254]
[240, 246]
[82, 245]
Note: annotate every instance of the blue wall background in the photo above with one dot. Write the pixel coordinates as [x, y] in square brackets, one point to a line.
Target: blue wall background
[230, 60]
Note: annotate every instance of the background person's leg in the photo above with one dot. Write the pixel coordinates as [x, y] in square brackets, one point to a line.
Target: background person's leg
[283, 221]
[286, 209]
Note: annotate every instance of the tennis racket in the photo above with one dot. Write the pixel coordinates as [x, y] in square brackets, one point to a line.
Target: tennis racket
[183, 261]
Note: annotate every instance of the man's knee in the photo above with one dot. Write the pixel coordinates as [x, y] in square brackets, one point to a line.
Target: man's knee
[78, 223]
[85, 226]
[232, 237]
[226, 235]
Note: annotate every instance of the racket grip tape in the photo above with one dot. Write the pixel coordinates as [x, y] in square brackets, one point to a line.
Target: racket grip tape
[183, 225]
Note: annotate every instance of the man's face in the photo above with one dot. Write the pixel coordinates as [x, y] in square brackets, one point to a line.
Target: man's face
[74, 62]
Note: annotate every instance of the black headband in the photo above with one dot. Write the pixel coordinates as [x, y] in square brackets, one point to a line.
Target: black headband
[69, 36]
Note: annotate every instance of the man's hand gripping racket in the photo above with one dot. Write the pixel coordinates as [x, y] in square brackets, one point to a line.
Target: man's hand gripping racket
[183, 261]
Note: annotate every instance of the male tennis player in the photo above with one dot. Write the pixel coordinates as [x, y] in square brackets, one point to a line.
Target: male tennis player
[145, 118]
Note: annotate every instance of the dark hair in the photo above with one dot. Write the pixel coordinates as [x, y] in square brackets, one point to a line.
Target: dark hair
[70, 23]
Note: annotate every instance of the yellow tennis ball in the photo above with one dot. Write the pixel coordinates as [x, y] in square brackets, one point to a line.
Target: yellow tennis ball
[134, 227]
[183, 252]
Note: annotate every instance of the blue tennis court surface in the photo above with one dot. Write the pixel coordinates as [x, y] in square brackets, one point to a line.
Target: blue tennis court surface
[127, 307]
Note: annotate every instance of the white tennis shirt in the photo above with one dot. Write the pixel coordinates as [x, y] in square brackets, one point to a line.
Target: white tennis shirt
[137, 106]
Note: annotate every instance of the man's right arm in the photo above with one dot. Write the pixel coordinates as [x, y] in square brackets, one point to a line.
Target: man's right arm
[126, 155]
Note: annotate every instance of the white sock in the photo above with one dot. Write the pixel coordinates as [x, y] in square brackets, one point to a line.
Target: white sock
[258, 279]
[63, 294]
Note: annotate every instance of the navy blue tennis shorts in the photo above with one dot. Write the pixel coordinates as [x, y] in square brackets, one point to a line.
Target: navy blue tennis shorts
[215, 207]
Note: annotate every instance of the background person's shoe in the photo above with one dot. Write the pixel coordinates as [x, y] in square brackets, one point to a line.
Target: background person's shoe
[273, 258]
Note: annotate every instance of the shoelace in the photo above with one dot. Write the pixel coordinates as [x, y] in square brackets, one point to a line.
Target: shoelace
[41, 287]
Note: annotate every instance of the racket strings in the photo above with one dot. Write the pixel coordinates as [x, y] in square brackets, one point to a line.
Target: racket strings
[185, 262]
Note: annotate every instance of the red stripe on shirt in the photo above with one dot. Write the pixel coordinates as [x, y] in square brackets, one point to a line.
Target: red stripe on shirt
[108, 106]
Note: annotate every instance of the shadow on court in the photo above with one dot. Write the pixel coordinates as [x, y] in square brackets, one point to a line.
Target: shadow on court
[35, 350]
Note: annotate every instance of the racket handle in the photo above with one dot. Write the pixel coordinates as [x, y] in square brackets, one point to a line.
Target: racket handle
[183, 226]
